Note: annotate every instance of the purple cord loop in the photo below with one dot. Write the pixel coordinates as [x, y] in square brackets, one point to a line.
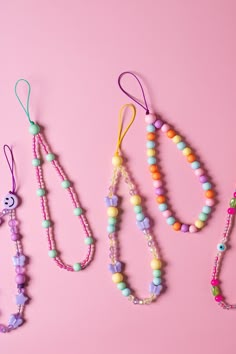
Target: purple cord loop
[11, 166]
[145, 106]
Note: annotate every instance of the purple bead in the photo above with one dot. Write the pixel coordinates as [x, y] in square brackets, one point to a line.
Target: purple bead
[3, 329]
[20, 279]
[13, 222]
[158, 123]
[15, 237]
[20, 270]
[203, 179]
[185, 228]
[159, 191]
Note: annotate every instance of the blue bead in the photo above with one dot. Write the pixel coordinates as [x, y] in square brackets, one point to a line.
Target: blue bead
[137, 209]
[206, 186]
[206, 209]
[157, 281]
[152, 160]
[170, 220]
[150, 128]
[126, 292]
[181, 145]
[163, 207]
[140, 217]
[150, 144]
[195, 165]
[111, 228]
[221, 247]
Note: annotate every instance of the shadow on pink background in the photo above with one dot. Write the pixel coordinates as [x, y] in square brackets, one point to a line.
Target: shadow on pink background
[72, 53]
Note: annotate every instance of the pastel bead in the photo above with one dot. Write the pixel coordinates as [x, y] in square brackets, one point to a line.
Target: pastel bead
[112, 221]
[111, 228]
[203, 217]
[20, 279]
[40, 192]
[15, 236]
[158, 123]
[157, 273]
[199, 172]
[117, 277]
[135, 200]
[77, 267]
[78, 211]
[195, 165]
[152, 160]
[233, 203]
[192, 229]
[206, 186]
[157, 281]
[185, 228]
[121, 285]
[231, 211]
[163, 207]
[215, 290]
[181, 145]
[221, 247]
[52, 253]
[156, 264]
[36, 162]
[166, 213]
[140, 217]
[50, 157]
[112, 211]
[199, 224]
[206, 209]
[203, 179]
[150, 128]
[117, 161]
[150, 144]
[170, 220]
[150, 118]
[165, 128]
[151, 152]
[34, 129]
[187, 151]
[159, 191]
[46, 224]
[138, 209]
[210, 202]
[219, 298]
[65, 184]
[126, 292]
[157, 183]
[176, 139]
[88, 240]
[215, 282]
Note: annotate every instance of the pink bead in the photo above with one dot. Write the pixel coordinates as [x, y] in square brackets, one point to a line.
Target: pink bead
[150, 118]
[219, 298]
[215, 282]
[166, 213]
[20, 279]
[231, 211]
[15, 237]
[20, 270]
[209, 202]
[199, 172]
[193, 229]
[165, 128]
[13, 222]
[157, 184]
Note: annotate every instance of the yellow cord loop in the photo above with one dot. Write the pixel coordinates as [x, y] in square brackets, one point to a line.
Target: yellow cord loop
[121, 134]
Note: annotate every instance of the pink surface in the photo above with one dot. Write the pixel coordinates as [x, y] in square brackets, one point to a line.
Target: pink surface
[72, 53]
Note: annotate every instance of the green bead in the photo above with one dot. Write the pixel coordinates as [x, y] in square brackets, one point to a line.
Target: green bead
[157, 273]
[215, 290]
[36, 162]
[137, 209]
[121, 286]
[50, 157]
[88, 240]
[112, 221]
[65, 184]
[34, 129]
[78, 211]
[40, 192]
[46, 224]
[77, 267]
[52, 253]
[233, 202]
[203, 217]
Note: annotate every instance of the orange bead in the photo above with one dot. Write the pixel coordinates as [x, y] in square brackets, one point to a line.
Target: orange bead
[210, 194]
[171, 133]
[177, 226]
[156, 176]
[161, 199]
[151, 136]
[191, 158]
[153, 168]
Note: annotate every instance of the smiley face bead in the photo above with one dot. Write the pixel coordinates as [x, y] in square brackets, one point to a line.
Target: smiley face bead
[10, 201]
[221, 247]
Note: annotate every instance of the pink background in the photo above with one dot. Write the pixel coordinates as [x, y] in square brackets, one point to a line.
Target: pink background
[72, 52]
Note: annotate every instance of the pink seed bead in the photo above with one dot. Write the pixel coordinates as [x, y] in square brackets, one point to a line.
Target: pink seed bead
[193, 229]
[20, 270]
[157, 184]
[15, 237]
[231, 211]
[199, 172]
[150, 118]
[219, 298]
[166, 213]
[20, 279]
[209, 202]
[165, 128]
[215, 282]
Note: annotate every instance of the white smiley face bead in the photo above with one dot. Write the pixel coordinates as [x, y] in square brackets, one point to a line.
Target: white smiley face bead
[10, 201]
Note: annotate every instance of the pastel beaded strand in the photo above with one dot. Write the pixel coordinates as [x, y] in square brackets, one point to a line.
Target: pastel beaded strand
[143, 223]
[40, 144]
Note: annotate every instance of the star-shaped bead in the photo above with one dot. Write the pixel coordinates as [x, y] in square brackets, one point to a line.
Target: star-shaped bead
[21, 299]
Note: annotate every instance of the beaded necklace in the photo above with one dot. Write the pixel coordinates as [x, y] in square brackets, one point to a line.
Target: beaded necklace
[40, 145]
[10, 203]
[221, 248]
[143, 222]
[154, 125]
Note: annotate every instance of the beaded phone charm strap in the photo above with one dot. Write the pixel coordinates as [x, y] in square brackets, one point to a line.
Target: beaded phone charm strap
[40, 144]
[143, 222]
[10, 203]
[221, 248]
[153, 125]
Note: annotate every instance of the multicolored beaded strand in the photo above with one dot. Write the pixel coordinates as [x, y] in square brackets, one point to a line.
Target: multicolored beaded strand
[10, 203]
[39, 143]
[154, 125]
[143, 222]
[221, 248]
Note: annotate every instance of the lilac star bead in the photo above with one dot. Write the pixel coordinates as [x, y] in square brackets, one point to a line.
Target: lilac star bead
[21, 299]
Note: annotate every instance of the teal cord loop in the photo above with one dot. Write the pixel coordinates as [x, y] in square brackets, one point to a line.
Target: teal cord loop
[26, 109]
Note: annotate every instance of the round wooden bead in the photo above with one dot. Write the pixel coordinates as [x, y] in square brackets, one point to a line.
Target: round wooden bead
[52, 253]
[117, 161]
[46, 224]
[112, 211]
[77, 267]
[199, 224]
[40, 192]
[121, 285]
[65, 184]
[88, 240]
[36, 162]
[78, 211]
[187, 151]
[135, 200]
[117, 277]
[50, 157]
[34, 129]
[156, 264]
[176, 139]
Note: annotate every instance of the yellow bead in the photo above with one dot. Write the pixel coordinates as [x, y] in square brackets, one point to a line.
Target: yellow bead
[112, 212]
[187, 151]
[135, 200]
[176, 139]
[117, 277]
[117, 161]
[151, 152]
[156, 264]
[199, 224]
